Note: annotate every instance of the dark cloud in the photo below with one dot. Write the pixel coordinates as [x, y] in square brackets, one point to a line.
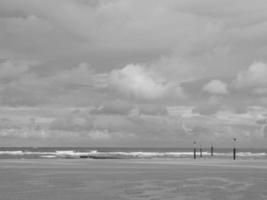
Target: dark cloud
[199, 131]
[113, 107]
[261, 121]
[11, 96]
[152, 109]
[212, 105]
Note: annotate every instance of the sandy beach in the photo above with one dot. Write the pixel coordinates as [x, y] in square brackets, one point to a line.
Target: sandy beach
[78, 179]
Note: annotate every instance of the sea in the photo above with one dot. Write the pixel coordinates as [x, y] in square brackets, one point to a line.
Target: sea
[125, 153]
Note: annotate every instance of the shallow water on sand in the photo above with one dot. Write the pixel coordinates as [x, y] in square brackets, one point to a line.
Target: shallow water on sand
[61, 179]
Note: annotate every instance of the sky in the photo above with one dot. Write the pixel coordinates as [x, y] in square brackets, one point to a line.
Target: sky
[128, 73]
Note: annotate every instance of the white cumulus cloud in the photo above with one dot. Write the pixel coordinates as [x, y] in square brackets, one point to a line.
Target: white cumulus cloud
[139, 82]
[216, 87]
[255, 76]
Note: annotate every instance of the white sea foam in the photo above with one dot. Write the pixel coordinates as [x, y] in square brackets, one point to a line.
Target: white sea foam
[250, 154]
[151, 154]
[11, 152]
[73, 153]
[48, 156]
[242, 154]
[133, 154]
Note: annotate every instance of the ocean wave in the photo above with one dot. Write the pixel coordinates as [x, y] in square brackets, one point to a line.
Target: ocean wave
[73, 153]
[151, 154]
[11, 152]
[55, 153]
[94, 154]
[48, 156]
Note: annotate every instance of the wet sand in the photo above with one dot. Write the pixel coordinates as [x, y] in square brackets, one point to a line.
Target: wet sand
[80, 179]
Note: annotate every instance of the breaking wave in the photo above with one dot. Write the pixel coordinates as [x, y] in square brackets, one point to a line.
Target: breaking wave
[94, 154]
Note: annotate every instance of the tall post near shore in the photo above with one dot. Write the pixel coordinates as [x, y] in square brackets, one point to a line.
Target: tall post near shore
[195, 150]
[211, 150]
[234, 148]
[200, 151]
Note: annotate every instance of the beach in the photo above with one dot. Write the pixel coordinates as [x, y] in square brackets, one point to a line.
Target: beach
[134, 179]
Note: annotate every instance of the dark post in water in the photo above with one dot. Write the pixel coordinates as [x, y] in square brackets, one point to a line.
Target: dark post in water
[234, 149]
[195, 150]
[211, 150]
[200, 151]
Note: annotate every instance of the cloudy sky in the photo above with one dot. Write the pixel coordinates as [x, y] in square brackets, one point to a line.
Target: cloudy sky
[133, 73]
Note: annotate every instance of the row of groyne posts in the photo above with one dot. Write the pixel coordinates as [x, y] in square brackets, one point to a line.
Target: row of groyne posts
[212, 149]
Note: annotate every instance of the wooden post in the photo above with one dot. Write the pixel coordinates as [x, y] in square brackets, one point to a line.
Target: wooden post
[200, 151]
[234, 149]
[211, 150]
[234, 153]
